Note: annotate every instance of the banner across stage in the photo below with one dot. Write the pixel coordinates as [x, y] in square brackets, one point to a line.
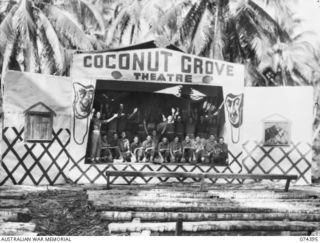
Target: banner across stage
[158, 65]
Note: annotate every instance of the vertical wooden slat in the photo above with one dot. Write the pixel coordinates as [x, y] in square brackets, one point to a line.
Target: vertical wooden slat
[179, 226]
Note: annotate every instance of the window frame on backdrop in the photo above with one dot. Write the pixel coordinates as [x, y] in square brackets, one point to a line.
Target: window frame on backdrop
[38, 123]
[276, 131]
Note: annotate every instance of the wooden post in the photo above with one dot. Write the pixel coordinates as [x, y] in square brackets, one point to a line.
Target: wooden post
[108, 182]
[202, 183]
[286, 189]
[179, 226]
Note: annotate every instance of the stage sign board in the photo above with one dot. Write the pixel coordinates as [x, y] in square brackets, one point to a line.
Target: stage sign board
[154, 65]
[158, 65]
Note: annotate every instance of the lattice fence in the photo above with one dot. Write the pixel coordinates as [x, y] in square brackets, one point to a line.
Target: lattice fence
[50, 163]
[294, 159]
[34, 163]
[94, 173]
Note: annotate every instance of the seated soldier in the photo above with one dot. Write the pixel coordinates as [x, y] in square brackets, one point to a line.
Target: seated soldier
[198, 149]
[124, 146]
[105, 151]
[175, 150]
[222, 149]
[187, 150]
[164, 150]
[114, 146]
[210, 148]
[136, 149]
[148, 149]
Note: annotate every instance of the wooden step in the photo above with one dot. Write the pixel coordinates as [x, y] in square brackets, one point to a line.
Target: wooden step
[15, 215]
[215, 226]
[13, 203]
[187, 216]
[10, 228]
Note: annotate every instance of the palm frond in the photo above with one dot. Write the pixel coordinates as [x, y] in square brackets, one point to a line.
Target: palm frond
[24, 22]
[67, 28]
[94, 16]
[189, 22]
[6, 6]
[121, 22]
[268, 20]
[6, 29]
[52, 49]
[201, 38]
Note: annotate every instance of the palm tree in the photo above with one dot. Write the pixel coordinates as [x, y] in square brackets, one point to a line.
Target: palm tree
[293, 59]
[132, 21]
[242, 31]
[38, 35]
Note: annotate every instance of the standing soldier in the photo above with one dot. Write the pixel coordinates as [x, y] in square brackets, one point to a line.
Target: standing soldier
[114, 146]
[179, 127]
[96, 134]
[202, 127]
[124, 118]
[190, 127]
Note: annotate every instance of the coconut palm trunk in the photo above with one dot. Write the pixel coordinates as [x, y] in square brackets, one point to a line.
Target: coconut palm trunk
[218, 23]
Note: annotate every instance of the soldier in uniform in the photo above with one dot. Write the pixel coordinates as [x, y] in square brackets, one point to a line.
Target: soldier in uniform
[198, 147]
[148, 148]
[95, 140]
[114, 146]
[176, 150]
[210, 148]
[187, 149]
[124, 146]
[136, 149]
[164, 150]
[222, 149]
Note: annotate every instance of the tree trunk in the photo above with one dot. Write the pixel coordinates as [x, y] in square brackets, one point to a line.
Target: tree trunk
[9, 226]
[12, 195]
[218, 23]
[10, 203]
[189, 216]
[175, 193]
[15, 215]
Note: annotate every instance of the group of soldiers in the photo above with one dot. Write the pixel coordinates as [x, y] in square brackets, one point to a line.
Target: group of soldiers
[173, 139]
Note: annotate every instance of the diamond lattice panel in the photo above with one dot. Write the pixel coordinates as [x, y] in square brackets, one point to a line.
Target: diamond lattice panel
[34, 163]
[295, 159]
